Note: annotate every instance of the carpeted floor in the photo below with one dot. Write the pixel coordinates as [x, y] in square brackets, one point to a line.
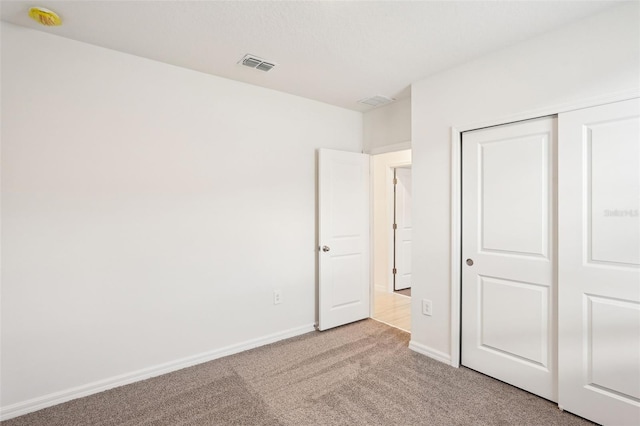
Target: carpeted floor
[359, 374]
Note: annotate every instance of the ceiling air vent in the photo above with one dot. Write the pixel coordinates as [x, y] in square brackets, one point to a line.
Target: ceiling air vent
[252, 61]
[376, 100]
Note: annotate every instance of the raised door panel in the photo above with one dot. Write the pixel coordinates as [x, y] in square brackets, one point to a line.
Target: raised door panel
[612, 340]
[514, 195]
[612, 176]
[525, 337]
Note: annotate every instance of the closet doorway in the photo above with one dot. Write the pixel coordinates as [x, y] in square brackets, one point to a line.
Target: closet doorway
[550, 258]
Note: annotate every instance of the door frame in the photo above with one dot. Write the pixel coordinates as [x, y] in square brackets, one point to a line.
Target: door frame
[392, 208]
[389, 191]
[456, 195]
[389, 174]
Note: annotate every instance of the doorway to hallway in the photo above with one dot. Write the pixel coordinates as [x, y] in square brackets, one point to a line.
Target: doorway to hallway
[391, 238]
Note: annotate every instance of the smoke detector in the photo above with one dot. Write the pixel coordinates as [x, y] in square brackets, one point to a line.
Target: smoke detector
[253, 61]
[376, 100]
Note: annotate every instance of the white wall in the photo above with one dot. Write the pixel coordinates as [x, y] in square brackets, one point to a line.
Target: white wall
[382, 167]
[387, 133]
[595, 57]
[388, 128]
[148, 213]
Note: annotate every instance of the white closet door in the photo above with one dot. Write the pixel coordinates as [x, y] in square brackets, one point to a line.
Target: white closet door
[599, 263]
[508, 282]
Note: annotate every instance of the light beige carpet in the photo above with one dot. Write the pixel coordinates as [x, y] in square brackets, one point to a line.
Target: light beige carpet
[359, 374]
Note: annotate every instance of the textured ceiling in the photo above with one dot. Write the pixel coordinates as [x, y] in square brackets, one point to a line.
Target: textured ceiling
[332, 51]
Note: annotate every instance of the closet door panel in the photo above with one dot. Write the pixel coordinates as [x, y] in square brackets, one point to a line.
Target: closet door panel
[508, 240]
[599, 263]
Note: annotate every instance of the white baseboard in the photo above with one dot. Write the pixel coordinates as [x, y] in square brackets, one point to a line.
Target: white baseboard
[430, 352]
[381, 288]
[35, 404]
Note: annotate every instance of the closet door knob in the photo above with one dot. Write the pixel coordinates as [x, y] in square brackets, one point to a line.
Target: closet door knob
[325, 249]
[470, 262]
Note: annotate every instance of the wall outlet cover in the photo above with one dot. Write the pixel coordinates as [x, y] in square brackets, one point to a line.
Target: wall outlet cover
[427, 308]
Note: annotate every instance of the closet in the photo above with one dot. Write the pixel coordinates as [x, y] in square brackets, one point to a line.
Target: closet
[551, 258]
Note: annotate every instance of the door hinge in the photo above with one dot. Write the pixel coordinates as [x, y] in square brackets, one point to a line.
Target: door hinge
[395, 226]
[395, 271]
[395, 181]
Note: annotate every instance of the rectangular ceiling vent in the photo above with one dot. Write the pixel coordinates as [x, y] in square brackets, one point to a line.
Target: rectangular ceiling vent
[252, 61]
[376, 100]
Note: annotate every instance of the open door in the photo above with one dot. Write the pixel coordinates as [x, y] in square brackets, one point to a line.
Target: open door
[402, 229]
[343, 192]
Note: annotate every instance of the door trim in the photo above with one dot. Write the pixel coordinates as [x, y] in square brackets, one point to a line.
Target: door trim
[393, 234]
[456, 195]
[389, 192]
[390, 172]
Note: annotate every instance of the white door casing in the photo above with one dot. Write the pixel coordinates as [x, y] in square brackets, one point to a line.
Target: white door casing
[403, 234]
[508, 232]
[599, 263]
[344, 210]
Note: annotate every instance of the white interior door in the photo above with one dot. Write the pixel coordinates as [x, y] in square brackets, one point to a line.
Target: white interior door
[343, 191]
[403, 234]
[508, 285]
[599, 268]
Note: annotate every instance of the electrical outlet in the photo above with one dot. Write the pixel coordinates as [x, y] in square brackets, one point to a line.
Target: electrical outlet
[426, 307]
[277, 297]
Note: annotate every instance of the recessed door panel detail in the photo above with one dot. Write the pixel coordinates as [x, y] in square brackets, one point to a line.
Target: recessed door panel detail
[405, 262]
[347, 200]
[613, 346]
[345, 268]
[514, 200]
[613, 177]
[404, 181]
[525, 334]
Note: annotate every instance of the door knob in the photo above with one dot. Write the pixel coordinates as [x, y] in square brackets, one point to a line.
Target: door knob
[325, 249]
[470, 262]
